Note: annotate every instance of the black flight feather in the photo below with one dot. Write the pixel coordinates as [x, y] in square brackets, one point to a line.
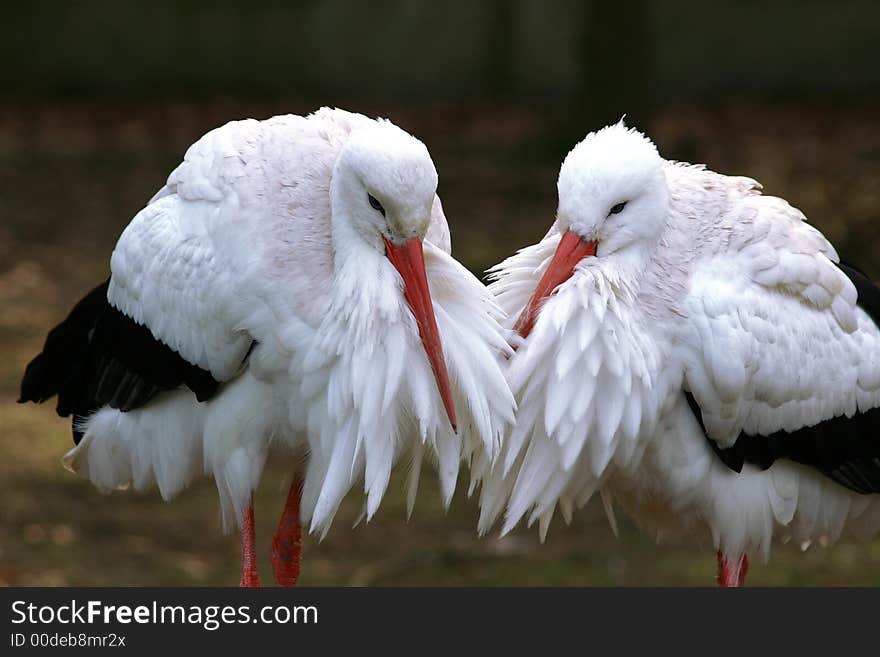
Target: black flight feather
[99, 356]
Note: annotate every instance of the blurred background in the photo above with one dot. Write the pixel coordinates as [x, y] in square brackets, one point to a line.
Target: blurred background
[98, 102]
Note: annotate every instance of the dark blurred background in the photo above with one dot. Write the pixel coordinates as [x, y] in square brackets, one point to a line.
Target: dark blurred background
[99, 100]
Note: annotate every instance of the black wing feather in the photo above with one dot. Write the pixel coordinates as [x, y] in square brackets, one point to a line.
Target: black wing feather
[867, 290]
[846, 449]
[99, 356]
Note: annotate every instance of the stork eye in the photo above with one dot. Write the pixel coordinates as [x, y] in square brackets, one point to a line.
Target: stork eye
[374, 203]
[617, 209]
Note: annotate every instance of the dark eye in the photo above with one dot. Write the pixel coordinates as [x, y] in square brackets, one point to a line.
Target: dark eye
[617, 209]
[374, 203]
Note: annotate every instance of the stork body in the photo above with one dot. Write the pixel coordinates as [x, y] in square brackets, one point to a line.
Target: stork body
[275, 299]
[694, 350]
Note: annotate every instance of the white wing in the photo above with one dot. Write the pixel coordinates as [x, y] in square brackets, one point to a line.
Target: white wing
[173, 268]
[777, 339]
[167, 276]
[195, 266]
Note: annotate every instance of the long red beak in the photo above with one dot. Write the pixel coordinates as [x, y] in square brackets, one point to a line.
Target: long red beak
[571, 250]
[410, 262]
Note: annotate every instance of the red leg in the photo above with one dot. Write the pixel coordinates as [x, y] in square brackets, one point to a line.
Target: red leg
[732, 573]
[287, 543]
[249, 574]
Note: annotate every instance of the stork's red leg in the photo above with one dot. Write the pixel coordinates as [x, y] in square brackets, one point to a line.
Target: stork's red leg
[287, 543]
[249, 574]
[732, 572]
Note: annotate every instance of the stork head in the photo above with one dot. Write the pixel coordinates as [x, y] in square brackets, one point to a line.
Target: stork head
[383, 189]
[613, 203]
[385, 183]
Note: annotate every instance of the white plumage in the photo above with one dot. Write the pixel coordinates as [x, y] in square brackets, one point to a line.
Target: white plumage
[263, 239]
[698, 284]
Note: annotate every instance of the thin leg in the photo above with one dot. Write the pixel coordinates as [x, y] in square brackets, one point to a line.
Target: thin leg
[732, 573]
[287, 543]
[249, 575]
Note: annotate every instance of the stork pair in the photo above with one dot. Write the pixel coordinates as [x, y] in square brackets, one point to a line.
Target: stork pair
[676, 342]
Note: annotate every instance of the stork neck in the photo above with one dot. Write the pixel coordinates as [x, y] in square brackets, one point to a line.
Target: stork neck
[348, 245]
[366, 285]
[629, 263]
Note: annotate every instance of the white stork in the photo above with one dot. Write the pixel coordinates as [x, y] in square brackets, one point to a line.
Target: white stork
[285, 292]
[694, 350]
